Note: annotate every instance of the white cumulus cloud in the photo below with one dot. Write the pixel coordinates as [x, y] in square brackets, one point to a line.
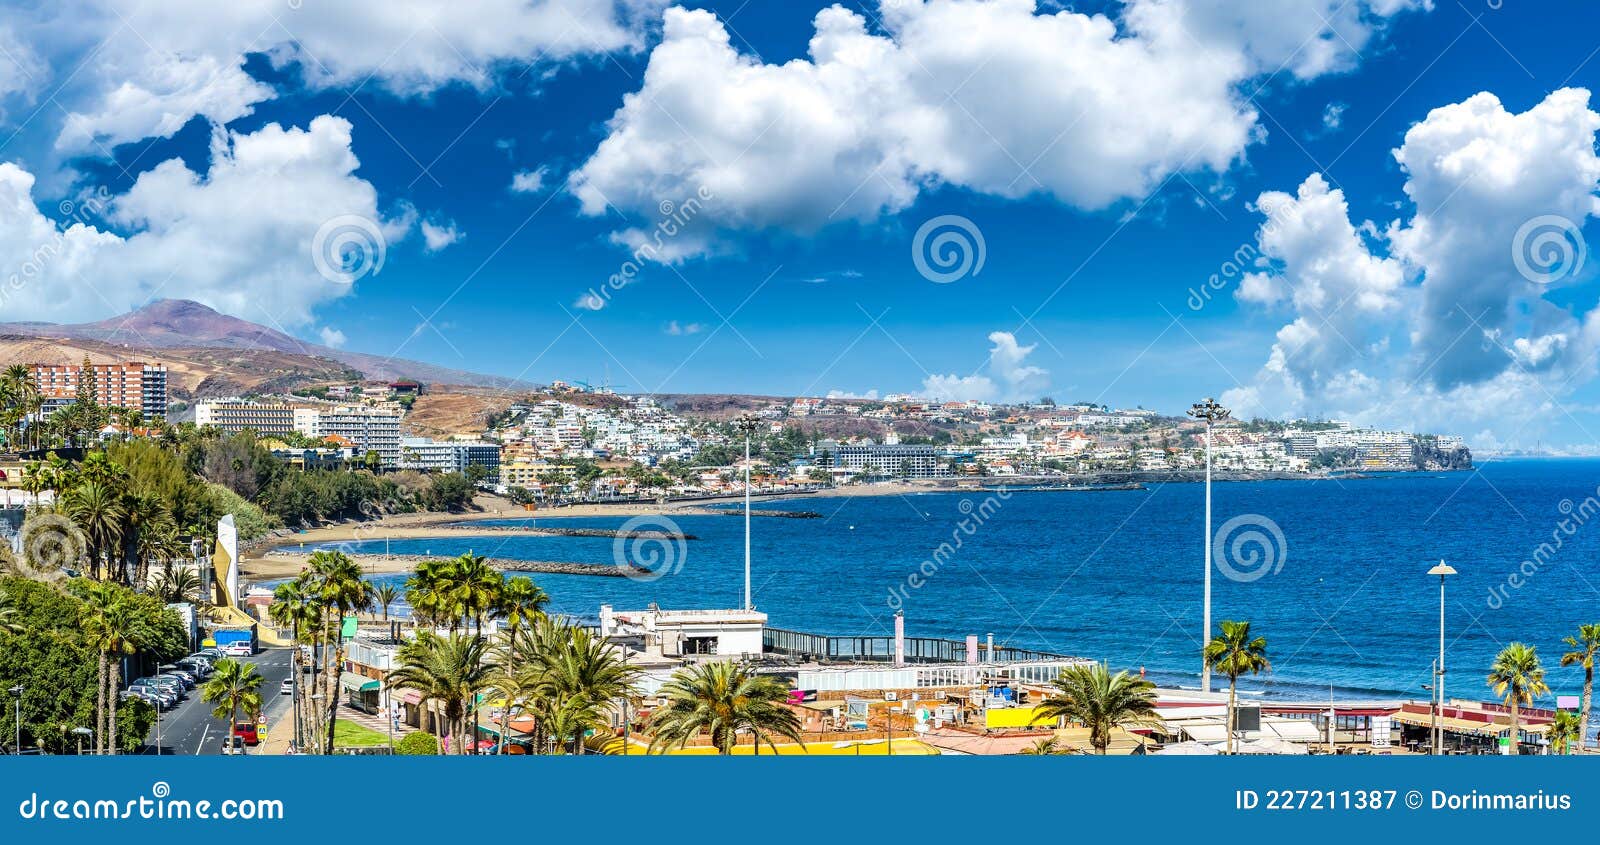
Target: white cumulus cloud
[984, 94]
[437, 236]
[1443, 319]
[1006, 377]
[131, 69]
[237, 237]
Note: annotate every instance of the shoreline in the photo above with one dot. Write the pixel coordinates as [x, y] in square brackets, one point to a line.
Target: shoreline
[265, 558]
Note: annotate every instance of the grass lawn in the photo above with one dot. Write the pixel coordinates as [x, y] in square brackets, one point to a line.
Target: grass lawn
[351, 735]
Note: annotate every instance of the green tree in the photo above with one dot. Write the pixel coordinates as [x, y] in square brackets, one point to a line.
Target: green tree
[721, 699]
[383, 596]
[520, 601]
[9, 620]
[1584, 648]
[340, 590]
[233, 687]
[1566, 728]
[417, 743]
[110, 629]
[580, 677]
[99, 512]
[1091, 696]
[447, 673]
[179, 584]
[1517, 677]
[1235, 653]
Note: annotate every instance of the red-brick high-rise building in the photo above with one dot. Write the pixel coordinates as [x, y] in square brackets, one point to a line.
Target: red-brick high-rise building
[131, 385]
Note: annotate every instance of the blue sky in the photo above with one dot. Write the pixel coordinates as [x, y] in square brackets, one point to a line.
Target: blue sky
[1110, 166]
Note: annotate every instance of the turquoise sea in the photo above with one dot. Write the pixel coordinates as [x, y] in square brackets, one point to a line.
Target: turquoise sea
[1342, 595]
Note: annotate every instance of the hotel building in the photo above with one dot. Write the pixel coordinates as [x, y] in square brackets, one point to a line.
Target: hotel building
[134, 385]
[428, 455]
[882, 460]
[266, 419]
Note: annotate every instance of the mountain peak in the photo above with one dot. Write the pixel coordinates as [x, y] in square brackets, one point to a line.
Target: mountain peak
[184, 323]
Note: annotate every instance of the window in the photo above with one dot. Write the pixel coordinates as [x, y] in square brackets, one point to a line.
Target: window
[700, 645]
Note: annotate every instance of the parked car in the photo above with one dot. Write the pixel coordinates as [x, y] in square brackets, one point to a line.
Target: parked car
[212, 652]
[157, 699]
[247, 732]
[232, 745]
[170, 686]
[199, 668]
[182, 679]
[189, 678]
[155, 695]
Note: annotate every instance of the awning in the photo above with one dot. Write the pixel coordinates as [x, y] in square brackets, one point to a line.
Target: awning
[1294, 730]
[1454, 725]
[358, 683]
[411, 696]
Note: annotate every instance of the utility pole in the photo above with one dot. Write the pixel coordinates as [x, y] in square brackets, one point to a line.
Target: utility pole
[1443, 570]
[1209, 411]
[747, 425]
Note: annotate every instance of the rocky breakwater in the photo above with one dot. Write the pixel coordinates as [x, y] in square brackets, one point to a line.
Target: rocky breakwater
[548, 567]
[531, 531]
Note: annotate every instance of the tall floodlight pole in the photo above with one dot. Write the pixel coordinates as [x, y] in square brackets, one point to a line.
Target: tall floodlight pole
[1443, 570]
[747, 424]
[1208, 411]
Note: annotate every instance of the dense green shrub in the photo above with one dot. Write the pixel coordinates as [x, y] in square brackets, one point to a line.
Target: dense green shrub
[420, 742]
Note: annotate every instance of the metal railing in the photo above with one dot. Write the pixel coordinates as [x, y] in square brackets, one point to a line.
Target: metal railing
[827, 649]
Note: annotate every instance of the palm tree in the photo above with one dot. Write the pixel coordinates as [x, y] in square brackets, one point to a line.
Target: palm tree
[145, 519]
[384, 595]
[340, 590]
[1565, 729]
[475, 585]
[722, 699]
[1584, 648]
[98, 510]
[447, 672]
[179, 584]
[1517, 677]
[428, 593]
[234, 686]
[1234, 653]
[1090, 695]
[580, 677]
[515, 682]
[21, 397]
[294, 607]
[110, 627]
[1048, 745]
[521, 600]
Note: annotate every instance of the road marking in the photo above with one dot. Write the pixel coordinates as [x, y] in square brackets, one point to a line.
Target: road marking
[202, 744]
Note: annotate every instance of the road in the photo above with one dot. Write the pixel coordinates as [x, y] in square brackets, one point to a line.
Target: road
[190, 728]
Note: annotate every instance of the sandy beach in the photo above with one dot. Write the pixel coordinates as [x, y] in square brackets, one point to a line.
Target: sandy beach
[279, 557]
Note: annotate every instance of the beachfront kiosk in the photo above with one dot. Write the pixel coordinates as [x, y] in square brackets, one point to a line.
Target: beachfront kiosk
[670, 634]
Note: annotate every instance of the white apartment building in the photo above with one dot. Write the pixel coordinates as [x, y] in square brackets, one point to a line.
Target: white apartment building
[268, 419]
[368, 429]
[422, 453]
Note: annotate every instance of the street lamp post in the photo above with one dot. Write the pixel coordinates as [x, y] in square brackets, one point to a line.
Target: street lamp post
[747, 424]
[17, 691]
[1210, 412]
[1443, 570]
[81, 732]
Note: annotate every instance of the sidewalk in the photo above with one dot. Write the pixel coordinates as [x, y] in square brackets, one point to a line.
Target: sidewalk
[280, 727]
